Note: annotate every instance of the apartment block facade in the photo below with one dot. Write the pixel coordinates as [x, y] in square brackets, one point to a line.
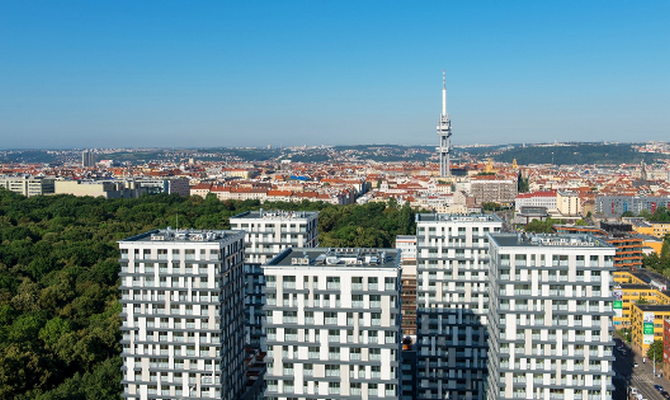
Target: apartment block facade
[614, 206]
[268, 233]
[550, 319]
[183, 315]
[333, 324]
[452, 304]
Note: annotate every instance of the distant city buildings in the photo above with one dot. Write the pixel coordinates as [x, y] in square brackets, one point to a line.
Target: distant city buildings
[87, 159]
[182, 294]
[545, 199]
[614, 206]
[333, 324]
[494, 189]
[28, 185]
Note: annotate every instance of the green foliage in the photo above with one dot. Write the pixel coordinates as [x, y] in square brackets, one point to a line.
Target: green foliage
[659, 263]
[524, 185]
[369, 225]
[661, 214]
[655, 351]
[577, 153]
[538, 226]
[492, 206]
[628, 214]
[644, 214]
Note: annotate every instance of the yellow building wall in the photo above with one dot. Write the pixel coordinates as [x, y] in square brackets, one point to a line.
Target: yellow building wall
[659, 229]
[636, 327]
[657, 246]
[644, 230]
[630, 297]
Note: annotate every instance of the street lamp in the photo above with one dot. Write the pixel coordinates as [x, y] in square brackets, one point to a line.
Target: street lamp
[654, 362]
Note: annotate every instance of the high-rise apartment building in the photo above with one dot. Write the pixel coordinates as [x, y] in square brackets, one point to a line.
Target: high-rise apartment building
[333, 324]
[267, 234]
[550, 324]
[183, 315]
[87, 159]
[452, 304]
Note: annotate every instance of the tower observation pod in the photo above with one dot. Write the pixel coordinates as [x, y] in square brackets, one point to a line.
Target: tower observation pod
[444, 132]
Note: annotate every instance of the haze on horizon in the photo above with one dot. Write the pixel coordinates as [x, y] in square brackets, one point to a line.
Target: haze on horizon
[218, 74]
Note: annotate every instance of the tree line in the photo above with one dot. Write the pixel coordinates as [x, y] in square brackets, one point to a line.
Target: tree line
[59, 298]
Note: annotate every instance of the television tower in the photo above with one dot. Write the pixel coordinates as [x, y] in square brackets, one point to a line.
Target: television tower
[444, 132]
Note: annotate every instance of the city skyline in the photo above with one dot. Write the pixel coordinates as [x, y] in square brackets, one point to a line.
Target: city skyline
[129, 74]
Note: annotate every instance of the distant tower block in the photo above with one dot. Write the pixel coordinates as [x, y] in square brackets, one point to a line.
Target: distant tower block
[87, 159]
[444, 132]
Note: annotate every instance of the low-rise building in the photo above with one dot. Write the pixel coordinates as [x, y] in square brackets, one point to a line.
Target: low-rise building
[28, 185]
[568, 203]
[545, 199]
[647, 324]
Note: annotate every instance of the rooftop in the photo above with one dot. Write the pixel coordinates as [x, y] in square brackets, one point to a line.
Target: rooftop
[632, 286]
[349, 257]
[181, 235]
[653, 307]
[457, 218]
[548, 239]
[275, 214]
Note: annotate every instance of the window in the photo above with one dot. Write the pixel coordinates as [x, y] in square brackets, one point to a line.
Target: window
[289, 282]
[389, 283]
[333, 283]
[334, 387]
[332, 370]
[356, 283]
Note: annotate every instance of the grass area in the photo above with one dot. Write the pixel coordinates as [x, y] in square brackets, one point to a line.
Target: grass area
[623, 335]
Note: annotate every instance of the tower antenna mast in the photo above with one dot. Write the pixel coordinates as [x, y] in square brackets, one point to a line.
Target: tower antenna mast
[444, 132]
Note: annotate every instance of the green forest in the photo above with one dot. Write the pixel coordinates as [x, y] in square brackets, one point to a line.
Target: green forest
[59, 309]
[579, 153]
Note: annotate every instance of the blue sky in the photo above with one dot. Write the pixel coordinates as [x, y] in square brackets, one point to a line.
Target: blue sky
[225, 73]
